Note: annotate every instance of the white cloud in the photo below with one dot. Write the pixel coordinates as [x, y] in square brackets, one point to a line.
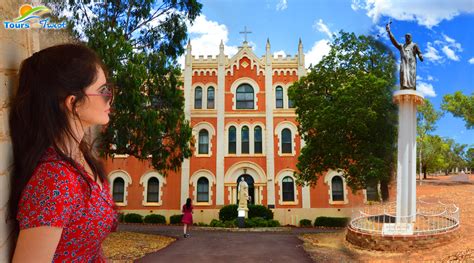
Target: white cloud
[450, 53]
[319, 49]
[427, 13]
[280, 52]
[282, 5]
[206, 36]
[432, 53]
[426, 89]
[321, 27]
[471, 61]
[381, 32]
[430, 78]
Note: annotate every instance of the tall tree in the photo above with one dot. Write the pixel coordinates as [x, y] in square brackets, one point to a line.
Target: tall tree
[460, 105]
[427, 117]
[346, 115]
[139, 41]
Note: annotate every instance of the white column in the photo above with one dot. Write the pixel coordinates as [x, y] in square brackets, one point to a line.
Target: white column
[220, 126]
[185, 166]
[270, 154]
[406, 165]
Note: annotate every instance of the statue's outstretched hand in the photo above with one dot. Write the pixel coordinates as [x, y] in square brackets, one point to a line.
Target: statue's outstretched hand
[387, 27]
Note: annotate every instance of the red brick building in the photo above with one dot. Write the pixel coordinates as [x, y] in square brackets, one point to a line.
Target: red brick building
[244, 126]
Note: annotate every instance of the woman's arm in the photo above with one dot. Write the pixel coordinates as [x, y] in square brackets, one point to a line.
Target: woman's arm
[37, 244]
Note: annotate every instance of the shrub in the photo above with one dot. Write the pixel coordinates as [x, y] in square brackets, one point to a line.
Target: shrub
[331, 221]
[260, 211]
[120, 217]
[230, 223]
[273, 223]
[155, 219]
[249, 222]
[175, 219]
[305, 222]
[133, 218]
[216, 223]
[228, 212]
[202, 224]
[260, 222]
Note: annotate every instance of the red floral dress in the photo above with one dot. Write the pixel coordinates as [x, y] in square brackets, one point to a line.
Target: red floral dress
[187, 215]
[57, 195]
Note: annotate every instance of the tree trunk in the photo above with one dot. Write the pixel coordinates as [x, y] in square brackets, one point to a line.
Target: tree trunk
[384, 190]
[424, 171]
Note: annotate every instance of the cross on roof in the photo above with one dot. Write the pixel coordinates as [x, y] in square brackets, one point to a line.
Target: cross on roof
[245, 32]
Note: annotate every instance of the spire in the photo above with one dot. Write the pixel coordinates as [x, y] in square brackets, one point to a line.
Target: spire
[221, 46]
[188, 47]
[268, 43]
[300, 45]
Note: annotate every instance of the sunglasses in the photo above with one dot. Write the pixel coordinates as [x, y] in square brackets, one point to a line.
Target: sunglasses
[106, 91]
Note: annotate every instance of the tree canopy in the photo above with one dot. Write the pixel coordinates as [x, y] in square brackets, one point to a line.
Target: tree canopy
[139, 42]
[460, 105]
[346, 114]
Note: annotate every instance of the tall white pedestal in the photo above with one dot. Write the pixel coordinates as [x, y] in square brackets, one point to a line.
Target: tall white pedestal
[406, 167]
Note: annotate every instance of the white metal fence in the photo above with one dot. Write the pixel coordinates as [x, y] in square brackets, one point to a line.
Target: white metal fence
[431, 218]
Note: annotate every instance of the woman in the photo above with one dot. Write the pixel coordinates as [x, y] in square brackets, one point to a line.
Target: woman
[59, 193]
[187, 219]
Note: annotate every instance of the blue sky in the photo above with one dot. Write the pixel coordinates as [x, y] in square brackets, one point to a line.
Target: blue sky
[444, 30]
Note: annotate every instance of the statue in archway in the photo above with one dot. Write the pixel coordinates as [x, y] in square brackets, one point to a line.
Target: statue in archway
[243, 191]
[408, 53]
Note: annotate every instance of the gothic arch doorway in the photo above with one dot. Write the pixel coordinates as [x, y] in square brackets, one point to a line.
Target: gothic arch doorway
[248, 178]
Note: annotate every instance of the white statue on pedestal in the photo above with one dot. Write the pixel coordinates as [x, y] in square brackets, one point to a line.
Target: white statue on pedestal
[243, 193]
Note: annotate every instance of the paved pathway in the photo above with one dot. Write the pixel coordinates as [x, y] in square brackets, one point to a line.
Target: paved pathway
[223, 246]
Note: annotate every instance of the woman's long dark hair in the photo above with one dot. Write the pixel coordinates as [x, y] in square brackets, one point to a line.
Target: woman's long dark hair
[188, 203]
[39, 117]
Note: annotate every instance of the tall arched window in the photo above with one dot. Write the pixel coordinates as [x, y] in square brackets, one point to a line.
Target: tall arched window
[244, 97]
[337, 189]
[291, 104]
[203, 142]
[245, 140]
[288, 186]
[210, 98]
[153, 190]
[286, 144]
[232, 140]
[372, 192]
[203, 190]
[198, 98]
[258, 139]
[279, 97]
[118, 190]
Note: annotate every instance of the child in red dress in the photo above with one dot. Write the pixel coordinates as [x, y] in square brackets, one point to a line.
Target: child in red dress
[187, 219]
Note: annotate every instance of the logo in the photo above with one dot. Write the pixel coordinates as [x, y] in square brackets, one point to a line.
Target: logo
[31, 17]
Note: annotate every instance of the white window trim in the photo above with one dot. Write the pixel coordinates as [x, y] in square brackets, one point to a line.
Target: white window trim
[204, 96]
[281, 175]
[144, 182]
[256, 90]
[328, 181]
[212, 181]
[214, 85]
[212, 132]
[238, 127]
[294, 131]
[127, 181]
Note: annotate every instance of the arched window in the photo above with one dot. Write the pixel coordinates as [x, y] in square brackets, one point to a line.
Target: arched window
[258, 139]
[232, 140]
[203, 142]
[118, 190]
[286, 145]
[198, 98]
[244, 97]
[337, 189]
[279, 97]
[288, 186]
[210, 98]
[372, 192]
[245, 140]
[203, 190]
[153, 190]
[291, 104]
